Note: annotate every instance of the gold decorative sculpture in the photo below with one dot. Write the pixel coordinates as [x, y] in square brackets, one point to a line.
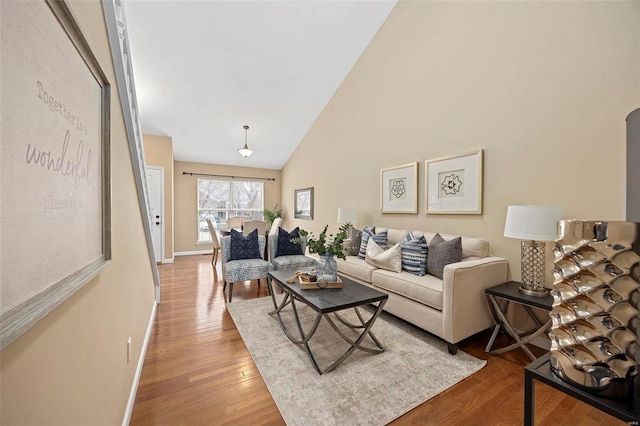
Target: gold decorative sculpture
[596, 309]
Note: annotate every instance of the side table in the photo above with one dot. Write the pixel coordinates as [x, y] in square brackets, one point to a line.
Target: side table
[508, 292]
[540, 369]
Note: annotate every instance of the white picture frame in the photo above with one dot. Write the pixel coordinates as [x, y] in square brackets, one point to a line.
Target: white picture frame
[399, 189]
[453, 184]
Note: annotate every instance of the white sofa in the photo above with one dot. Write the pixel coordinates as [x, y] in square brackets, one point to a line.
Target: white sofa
[452, 308]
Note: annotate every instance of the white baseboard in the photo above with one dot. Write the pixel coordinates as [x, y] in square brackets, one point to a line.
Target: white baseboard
[189, 253]
[136, 378]
[167, 260]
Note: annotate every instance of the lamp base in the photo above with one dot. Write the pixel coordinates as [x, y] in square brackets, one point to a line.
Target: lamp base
[533, 291]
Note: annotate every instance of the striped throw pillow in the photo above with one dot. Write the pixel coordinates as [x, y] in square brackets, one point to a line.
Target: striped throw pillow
[380, 239]
[414, 254]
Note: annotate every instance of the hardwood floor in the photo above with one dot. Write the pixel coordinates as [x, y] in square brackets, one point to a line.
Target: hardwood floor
[197, 370]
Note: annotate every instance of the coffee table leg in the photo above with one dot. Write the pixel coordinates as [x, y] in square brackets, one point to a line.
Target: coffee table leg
[356, 344]
[363, 324]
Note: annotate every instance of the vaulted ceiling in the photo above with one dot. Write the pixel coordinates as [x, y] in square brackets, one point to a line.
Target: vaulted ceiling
[204, 69]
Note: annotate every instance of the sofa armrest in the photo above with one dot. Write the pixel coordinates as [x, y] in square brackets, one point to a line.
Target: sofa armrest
[464, 305]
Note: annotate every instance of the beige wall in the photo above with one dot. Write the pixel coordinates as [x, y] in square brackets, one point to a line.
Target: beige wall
[542, 87]
[71, 367]
[186, 195]
[158, 151]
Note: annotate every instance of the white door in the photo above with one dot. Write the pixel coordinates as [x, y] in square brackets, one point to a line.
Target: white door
[155, 185]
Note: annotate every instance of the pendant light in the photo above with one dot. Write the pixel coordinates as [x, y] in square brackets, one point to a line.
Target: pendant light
[245, 151]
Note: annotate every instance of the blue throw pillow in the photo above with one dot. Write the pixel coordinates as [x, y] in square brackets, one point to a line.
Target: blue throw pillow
[285, 246]
[414, 254]
[380, 238]
[244, 247]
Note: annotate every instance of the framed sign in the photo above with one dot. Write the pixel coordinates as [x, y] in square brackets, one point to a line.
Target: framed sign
[303, 203]
[399, 189]
[55, 167]
[454, 184]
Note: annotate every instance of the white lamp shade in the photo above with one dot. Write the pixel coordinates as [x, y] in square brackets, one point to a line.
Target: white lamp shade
[536, 223]
[347, 214]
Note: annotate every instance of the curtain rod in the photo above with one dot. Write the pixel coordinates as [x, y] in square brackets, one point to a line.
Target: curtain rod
[227, 176]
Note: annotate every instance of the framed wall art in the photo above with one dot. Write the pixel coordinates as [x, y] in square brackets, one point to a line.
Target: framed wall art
[55, 168]
[303, 203]
[399, 189]
[454, 184]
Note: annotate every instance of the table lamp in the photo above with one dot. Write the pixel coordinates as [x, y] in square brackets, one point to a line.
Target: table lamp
[348, 214]
[532, 224]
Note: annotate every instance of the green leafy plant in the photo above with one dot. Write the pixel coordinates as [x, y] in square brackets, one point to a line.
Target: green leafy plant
[271, 215]
[326, 244]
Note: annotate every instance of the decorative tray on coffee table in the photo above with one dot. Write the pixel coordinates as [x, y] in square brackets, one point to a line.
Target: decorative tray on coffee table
[306, 283]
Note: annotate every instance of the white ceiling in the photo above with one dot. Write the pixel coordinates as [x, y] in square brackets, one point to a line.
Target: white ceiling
[203, 69]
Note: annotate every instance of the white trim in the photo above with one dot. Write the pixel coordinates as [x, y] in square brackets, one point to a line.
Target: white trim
[136, 378]
[167, 260]
[162, 212]
[189, 253]
[121, 54]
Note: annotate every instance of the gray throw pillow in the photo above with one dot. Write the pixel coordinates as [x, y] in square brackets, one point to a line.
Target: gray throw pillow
[442, 253]
[354, 243]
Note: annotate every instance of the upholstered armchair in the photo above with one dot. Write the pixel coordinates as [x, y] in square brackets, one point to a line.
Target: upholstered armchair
[245, 269]
[285, 254]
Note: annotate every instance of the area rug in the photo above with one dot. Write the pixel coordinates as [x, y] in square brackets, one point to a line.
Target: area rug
[365, 389]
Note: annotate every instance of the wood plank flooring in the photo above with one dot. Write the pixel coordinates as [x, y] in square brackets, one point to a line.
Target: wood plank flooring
[197, 370]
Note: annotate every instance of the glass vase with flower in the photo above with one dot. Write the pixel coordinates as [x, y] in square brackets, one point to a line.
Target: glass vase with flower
[326, 246]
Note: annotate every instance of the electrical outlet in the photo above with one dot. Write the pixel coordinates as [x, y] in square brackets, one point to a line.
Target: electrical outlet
[128, 349]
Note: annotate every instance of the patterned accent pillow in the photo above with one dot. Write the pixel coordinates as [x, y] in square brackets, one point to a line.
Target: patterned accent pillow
[244, 247]
[414, 254]
[389, 259]
[442, 253]
[380, 238]
[285, 246]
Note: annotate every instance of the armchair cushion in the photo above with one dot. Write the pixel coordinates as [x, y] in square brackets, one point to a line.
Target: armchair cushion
[442, 253]
[293, 261]
[244, 247]
[285, 246]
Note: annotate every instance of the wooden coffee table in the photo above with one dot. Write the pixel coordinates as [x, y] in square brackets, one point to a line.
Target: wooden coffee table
[325, 302]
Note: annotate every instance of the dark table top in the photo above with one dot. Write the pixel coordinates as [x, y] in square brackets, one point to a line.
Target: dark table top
[629, 410]
[325, 300]
[510, 291]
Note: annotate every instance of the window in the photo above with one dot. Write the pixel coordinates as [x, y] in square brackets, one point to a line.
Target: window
[218, 200]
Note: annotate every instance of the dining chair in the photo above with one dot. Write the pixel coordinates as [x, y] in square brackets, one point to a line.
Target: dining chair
[250, 225]
[215, 241]
[235, 222]
[275, 225]
[242, 269]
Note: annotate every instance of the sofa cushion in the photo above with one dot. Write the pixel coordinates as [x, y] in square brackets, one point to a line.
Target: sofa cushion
[414, 254]
[472, 248]
[356, 267]
[394, 236]
[426, 289]
[380, 238]
[244, 247]
[389, 259]
[289, 242]
[442, 253]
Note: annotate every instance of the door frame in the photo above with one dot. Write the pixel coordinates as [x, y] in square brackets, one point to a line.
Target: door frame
[162, 212]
